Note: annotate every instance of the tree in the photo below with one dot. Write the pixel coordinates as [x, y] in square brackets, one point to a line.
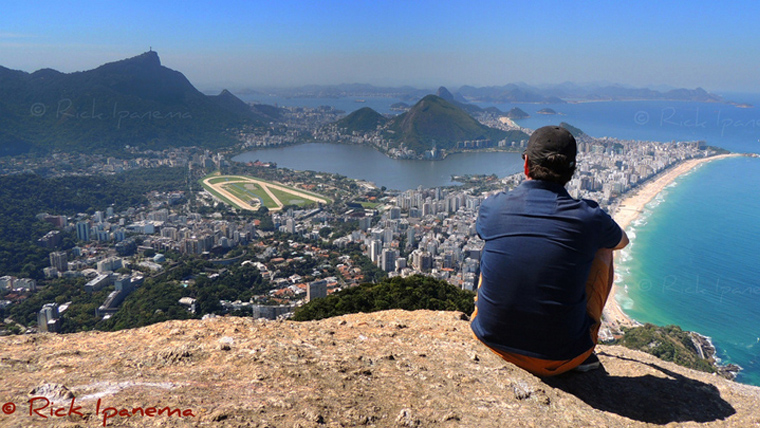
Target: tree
[412, 293]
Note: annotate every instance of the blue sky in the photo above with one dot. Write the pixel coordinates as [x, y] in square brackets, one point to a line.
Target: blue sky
[422, 43]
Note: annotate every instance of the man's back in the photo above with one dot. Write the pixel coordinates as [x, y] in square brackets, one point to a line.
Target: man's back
[540, 244]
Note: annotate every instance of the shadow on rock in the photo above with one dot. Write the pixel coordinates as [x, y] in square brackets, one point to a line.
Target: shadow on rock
[647, 398]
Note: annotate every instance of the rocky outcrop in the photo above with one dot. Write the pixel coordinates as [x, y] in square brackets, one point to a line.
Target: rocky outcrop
[391, 368]
[704, 347]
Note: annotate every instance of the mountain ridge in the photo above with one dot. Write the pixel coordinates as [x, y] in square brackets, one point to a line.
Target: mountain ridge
[134, 101]
[434, 122]
[511, 93]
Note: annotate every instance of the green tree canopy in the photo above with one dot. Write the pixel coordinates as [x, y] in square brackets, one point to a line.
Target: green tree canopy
[411, 293]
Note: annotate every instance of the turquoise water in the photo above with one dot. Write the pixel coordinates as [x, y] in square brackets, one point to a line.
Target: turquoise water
[694, 260]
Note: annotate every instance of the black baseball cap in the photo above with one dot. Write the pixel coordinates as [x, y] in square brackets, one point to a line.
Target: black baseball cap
[550, 140]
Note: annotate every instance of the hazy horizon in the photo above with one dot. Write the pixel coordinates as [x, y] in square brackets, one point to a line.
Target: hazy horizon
[424, 44]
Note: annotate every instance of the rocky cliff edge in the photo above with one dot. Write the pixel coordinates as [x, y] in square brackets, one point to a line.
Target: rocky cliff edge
[383, 369]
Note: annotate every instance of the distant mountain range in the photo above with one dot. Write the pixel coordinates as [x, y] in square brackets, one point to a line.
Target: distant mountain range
[138, 102]
[510, 93]
[462, 103]
[567, 92]
[132, 102]
[433, 122]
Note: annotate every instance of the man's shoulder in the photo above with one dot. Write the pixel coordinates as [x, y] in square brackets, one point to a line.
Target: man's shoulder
[590, 203]
[501, 196]
[598, 216]
[586, 209]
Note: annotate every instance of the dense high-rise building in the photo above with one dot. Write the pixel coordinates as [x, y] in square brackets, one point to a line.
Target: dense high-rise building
[26, 283]
[387, 235]
[427, 209]
[109, 264]
[6, 282]
[395, 213]
[316, 290]
[119, 235]
[59, 261]
[269, 311]
[83, 231]
[127, 247]
[388, 260]
[290, 225]
[365, 223]
[51, 239]
[410, 237]
[55, 220]
[422, 260]
[448, 260]
[47, 318]
[375, 249]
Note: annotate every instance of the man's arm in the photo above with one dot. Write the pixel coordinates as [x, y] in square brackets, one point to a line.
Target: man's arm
[623, 241]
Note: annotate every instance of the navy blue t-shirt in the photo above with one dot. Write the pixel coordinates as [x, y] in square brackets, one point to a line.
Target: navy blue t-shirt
[539, 245]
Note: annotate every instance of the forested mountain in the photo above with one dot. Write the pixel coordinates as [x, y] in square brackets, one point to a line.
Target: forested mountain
[132, 102]
[435, 122]
[432, 123]
[362, 120]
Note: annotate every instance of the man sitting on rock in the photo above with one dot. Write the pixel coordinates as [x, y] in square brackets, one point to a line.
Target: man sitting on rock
[546, 269]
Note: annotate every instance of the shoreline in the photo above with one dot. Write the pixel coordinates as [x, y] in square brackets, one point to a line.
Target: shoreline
[629, 209]
[236, 151]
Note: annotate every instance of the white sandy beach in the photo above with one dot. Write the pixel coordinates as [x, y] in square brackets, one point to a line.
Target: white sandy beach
[631, 208]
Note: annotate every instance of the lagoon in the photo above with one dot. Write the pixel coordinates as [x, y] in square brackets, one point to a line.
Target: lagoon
[366, 163]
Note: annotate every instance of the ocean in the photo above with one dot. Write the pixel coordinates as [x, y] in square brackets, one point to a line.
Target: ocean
[694, 259]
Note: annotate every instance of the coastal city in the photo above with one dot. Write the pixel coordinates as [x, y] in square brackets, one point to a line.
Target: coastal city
[299, 253]
[379, 214]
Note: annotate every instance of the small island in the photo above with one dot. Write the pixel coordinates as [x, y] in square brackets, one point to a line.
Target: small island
[517, 113]
[546, 111]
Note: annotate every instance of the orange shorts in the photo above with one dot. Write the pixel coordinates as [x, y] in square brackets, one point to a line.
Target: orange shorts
[598, 288]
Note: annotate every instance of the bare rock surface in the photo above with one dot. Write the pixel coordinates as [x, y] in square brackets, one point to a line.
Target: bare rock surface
[385, 369]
